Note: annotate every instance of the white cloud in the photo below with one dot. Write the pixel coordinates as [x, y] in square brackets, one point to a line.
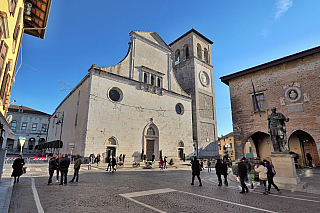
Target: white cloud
[282, 7]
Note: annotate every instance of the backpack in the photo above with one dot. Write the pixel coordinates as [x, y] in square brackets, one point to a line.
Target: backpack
[273, 171]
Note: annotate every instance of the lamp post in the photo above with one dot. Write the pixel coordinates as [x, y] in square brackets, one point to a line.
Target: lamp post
[60, 121]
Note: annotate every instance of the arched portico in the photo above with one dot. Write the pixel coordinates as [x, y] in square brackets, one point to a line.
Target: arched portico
[261, 145]
[151, 141]
[301, 142]
[111, 147]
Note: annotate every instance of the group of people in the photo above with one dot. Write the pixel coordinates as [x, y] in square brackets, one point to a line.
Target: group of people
[163, 163]
[266, 173]
[60, 163]
[112, 164]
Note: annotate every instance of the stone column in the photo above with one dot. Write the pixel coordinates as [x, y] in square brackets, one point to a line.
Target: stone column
[286, 175]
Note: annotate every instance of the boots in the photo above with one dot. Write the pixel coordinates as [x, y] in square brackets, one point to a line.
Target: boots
[226, 182]
[220, 183]
[252, 186]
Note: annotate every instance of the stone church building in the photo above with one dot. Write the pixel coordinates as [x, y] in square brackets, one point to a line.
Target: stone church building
[291, 84]
[159, 98]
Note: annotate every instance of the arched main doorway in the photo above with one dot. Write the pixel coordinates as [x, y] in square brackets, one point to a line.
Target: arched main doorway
[301, 142]
[151, 141]
[111, 148]
[181, 150]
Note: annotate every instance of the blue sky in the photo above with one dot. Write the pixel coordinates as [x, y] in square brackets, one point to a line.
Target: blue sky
[81, 33]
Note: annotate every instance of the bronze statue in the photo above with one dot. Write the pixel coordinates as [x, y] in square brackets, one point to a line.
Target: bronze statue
[277, 130]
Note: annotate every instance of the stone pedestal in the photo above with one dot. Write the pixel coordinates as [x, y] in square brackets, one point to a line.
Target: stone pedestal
[286, 171]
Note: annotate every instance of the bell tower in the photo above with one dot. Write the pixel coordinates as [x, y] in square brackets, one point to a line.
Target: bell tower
[192, 66]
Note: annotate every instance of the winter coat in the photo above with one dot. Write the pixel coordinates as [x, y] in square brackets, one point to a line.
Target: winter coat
[262, 172]
[225, 169]
[219, 168]
[64, 164]
[242, 169]
[270, 167]
[77, 164]
[17, 167]
[52, 163]
[114, 162]
[195, 167]
[248, 167]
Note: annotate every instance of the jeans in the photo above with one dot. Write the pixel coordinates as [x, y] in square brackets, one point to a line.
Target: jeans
[270, 182]
[75, 175]
[249, 178]
[64, 174]
[51, 171]
[264, 183]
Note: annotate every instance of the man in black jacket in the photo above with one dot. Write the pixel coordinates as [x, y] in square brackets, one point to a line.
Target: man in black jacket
[242, 173]
[64, 166]
[52, 166]
[77, 165]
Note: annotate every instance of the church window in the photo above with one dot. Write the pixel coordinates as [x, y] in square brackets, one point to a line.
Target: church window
[181, 144]
[151, 131]
[158, 82]
[179, 109]
[111, 141]
[261, 101]
[199, 51]
[206, 56]
[152, 80]
[186, 51]
[177, 56]
[145, 78]
[115, 94]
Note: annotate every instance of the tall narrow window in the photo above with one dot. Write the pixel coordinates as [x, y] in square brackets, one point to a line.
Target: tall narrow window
[34, 127]
[186, 51]
[14, 125]
[78, 102]
[24, 126]
[177, 56]
[199, 51]
[206, 56]
[158, 82]
[44, 128]
[145, 78]
[152, 80]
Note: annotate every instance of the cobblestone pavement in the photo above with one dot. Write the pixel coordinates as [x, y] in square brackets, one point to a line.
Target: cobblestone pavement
[149, 191]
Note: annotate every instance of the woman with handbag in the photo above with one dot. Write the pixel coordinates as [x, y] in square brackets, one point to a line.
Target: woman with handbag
[17, 168]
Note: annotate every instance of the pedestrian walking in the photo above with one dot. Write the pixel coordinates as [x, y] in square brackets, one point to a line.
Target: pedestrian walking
[184, 157]
[249, 172]
[242, 173]
[225, 172]
[90, 161]
[165, 162]
[262, 170]
[309, 158]
[58, 167]
[201, 164]
[219, 171]
[52, 166]
[161, 163]
[153, 157]
[123, 156]
[270, 174]
[64, 167]
[114, 164]
[17, 168]
[209, 165]
[196, 168]
[77, 165]
[109, 161]
[98, 159]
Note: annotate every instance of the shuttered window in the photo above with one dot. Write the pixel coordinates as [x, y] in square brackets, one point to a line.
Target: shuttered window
[13, 6]
[4, 86]
[3, 55]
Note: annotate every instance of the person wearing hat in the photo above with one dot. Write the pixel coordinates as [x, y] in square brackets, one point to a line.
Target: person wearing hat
[77, 165]
[242, 173]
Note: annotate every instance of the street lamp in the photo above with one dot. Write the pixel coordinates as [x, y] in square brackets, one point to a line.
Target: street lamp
[60, 121]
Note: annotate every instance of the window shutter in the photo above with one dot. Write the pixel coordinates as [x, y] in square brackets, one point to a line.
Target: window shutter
[13, 6]
[3, 54]
[17, 27]
[1, 33]
[6, 89]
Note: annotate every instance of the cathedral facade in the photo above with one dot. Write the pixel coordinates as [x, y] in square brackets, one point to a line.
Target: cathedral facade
[144, 104]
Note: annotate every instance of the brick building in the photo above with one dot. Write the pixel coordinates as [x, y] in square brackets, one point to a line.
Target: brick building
[291, 84]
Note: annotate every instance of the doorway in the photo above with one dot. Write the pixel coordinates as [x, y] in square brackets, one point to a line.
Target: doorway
[111, 152]
[150, 149]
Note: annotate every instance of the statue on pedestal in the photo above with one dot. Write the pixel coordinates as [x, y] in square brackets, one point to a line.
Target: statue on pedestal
[277, 130]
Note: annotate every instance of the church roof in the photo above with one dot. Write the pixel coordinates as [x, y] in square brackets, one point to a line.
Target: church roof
[15, 108]
[151, 36]
[227, 78]
[192, 31]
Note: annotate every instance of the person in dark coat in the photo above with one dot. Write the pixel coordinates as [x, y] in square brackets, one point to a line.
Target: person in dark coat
[270, 175]
[242, 173]
[76, 167]
[219, 171]
[153, 157]
[124, 156]
[113, 164]
[225, 172]
[64, 166]
[52, 166]
[195, 165]
[309, 158]
[58, 168]
[249, 172]
[17, 168]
